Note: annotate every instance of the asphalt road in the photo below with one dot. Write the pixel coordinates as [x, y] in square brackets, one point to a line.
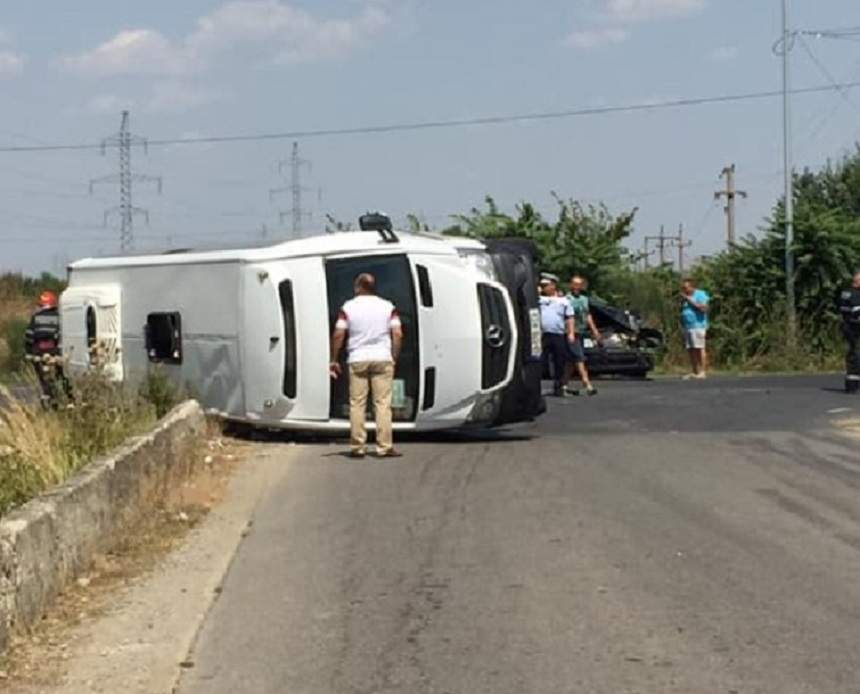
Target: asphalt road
[660, 537]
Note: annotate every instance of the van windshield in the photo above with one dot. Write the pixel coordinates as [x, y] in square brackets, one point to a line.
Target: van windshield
[393, 282]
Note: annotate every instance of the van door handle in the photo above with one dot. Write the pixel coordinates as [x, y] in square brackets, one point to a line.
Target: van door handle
[274, 340]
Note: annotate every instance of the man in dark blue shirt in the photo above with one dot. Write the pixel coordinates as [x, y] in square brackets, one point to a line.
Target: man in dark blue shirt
[557, 326]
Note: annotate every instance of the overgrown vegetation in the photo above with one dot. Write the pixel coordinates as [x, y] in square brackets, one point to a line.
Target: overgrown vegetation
[41, 447]
[747, 282]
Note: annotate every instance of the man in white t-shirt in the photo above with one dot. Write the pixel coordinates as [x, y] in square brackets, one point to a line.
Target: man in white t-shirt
[370, 327]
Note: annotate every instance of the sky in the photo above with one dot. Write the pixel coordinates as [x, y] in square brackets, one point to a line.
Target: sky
[204, 68]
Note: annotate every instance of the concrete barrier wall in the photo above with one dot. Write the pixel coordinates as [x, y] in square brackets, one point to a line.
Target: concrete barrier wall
[53, 538]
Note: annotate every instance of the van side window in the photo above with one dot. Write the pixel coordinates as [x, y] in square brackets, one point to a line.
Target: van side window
[285, 289]
[425, 289]
[92, 334]
[164, 338]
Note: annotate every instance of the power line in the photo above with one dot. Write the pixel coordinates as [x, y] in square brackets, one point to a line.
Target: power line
[451, 123]
[822, 68]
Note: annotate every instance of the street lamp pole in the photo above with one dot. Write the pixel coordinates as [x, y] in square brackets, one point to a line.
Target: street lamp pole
[790, 307]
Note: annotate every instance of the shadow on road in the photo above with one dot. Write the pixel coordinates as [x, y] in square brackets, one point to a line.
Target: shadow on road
[477, 436]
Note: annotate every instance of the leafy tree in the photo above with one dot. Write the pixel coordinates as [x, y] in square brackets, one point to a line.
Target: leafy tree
[585, 240]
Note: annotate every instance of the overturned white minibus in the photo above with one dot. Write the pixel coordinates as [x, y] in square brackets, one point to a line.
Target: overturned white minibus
[247, 330]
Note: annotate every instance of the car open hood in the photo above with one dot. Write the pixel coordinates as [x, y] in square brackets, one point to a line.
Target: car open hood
[611, 317]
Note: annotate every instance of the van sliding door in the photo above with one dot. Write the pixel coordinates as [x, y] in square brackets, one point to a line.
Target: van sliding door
[393, 282]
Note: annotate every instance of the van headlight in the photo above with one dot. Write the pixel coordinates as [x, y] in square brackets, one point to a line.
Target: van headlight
[481, 262]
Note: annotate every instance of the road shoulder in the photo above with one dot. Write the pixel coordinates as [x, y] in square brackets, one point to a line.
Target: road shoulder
[139, 645]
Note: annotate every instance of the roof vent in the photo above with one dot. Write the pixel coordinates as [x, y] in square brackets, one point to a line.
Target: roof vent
[380, 223]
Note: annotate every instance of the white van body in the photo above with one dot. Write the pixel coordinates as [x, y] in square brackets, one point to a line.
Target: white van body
[247, 331]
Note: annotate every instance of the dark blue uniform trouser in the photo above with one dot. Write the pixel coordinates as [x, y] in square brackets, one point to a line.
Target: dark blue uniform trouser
[555, 353]
[852, 358]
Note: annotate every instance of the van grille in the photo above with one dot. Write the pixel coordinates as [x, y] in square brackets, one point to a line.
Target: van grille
[497, 336]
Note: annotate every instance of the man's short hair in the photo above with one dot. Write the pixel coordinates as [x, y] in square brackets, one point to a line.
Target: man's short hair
[365, 282]
[688, 280]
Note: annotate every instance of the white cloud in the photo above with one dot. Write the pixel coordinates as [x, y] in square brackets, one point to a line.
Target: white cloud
[268, 29]
[176, 96]
[595, 38]
[132, 51]
[724, 54]
[171, 96]
[643, 10]
[11, 63]
[102, 104]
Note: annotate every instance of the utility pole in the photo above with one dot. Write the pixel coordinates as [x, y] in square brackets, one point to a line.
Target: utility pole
[680, 244]
[296, 164]
[730, 194]
[790, 309]
[661, 246]
[124, 141]
[664, 242]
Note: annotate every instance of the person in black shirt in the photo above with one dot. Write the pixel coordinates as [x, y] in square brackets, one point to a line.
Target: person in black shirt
[848, 305]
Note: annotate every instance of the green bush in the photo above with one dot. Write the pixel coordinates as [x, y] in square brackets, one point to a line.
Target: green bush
[160, 391]
[12, 336]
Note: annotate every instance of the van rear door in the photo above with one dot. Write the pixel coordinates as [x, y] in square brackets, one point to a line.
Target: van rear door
[91, 329]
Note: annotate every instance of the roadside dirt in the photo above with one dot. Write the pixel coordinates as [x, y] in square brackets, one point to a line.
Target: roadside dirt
[38, 659]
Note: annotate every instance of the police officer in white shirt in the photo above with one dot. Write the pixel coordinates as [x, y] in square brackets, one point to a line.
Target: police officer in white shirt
[370, 326]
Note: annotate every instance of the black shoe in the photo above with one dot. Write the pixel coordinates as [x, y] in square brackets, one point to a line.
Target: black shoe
[572, 391]
[358, 455]
[591, 390]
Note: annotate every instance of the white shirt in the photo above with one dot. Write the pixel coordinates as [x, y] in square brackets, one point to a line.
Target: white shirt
[368, 320]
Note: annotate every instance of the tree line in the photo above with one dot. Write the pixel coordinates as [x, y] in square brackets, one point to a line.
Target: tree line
[746, 281]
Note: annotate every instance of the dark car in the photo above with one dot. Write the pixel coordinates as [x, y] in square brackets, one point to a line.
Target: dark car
[627, 346]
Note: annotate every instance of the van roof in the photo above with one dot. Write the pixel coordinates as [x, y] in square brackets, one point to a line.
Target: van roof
[340, 243]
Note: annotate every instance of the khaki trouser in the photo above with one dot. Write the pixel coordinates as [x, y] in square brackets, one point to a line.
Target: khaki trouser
[376, 376]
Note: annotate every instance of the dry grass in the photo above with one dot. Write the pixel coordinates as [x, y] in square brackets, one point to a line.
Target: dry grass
[33, 456]
[36, 661]
[41, 447]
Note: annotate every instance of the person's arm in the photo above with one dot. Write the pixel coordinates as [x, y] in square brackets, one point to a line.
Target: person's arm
[396, 343]
[396, 336]
[592, 326]
[700, 306]
[569, 321]
[338, 339]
